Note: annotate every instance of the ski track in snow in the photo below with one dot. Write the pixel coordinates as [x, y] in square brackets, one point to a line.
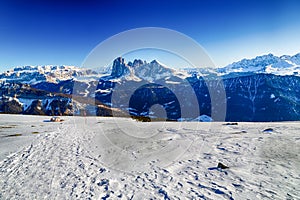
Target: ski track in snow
[62, 165]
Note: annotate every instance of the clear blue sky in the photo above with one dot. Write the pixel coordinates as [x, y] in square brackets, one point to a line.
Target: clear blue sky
[39, 32]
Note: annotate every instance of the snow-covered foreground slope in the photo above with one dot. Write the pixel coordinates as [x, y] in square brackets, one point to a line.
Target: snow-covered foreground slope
[113, 158]
[18, 131]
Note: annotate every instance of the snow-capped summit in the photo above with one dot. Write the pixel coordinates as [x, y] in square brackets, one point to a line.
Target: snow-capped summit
[136, 63]
[142, 70]
[271, 64]
[47, 73]
[154, 71]
[257, 64]
[296, 59]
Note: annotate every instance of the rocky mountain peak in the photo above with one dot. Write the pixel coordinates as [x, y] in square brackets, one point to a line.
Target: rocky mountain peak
[154, 62]
[137, 63]
[119, 68]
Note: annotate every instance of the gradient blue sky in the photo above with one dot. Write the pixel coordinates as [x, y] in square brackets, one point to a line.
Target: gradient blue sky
[40, 32]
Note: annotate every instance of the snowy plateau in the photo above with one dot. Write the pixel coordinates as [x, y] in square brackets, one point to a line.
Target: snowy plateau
[143, 130]
[120, 158]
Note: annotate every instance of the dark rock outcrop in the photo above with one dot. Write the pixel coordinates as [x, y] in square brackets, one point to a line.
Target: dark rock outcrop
[12, 106]
[119, 68]
[222, 166]
[36, 108]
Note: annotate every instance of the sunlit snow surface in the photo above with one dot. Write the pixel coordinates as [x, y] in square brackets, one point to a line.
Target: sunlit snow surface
[92, 158]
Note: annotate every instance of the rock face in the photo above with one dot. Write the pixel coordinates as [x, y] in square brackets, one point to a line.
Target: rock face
[137, 63]
[151, 94]
[36, 108]
[12, 106]
[59, 107]
[119, 68]
[260, 97]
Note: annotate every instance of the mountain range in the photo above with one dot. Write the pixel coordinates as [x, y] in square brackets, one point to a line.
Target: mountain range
[265, 88]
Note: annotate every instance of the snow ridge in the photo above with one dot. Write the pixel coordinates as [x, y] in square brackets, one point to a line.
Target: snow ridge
[270, 64]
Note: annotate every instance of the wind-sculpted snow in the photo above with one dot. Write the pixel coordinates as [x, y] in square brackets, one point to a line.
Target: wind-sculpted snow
[70, 162]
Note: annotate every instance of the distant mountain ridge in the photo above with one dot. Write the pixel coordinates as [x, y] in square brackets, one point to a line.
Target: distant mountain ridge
[48, 73]
[270, 64]
[266, 88]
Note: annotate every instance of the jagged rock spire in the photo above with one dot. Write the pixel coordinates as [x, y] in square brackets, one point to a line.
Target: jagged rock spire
[119, 68]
